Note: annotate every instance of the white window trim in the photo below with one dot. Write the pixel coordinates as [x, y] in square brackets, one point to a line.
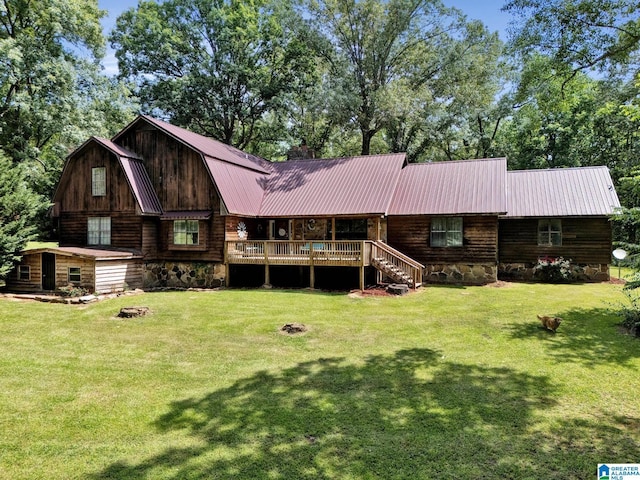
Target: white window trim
[26, 268]
[69, 274]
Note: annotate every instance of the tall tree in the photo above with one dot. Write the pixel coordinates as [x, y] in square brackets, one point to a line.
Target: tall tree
[393, 49]
[52, 93]
[214, 66]
[18, 206]
[582, 34]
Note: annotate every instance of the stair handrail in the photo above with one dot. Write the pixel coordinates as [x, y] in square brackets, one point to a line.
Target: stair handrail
[392, 251]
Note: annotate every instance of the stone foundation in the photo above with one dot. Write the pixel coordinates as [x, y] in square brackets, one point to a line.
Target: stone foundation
[461, 273]
[183, 275]
[598, 272]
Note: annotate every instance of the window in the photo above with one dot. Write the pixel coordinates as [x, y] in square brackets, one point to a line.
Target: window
[99, 181]
[550, 232]
[24, 272]
[446, 232]
[351, 228]
[186, 232]
[99, 231]
[74, 275]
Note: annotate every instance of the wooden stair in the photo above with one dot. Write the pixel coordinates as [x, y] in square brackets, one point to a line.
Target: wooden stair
[396, 265]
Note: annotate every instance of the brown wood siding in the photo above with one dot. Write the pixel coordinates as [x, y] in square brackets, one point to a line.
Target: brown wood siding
[584, 240]
[177, 173]
[77, 194]
[126, 230]
[411, 235]
[115, 275]
[34, 283]
[150, 229]
[87, 271]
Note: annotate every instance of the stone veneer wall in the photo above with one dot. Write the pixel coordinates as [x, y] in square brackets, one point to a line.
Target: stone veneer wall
[470, 274]
[183, 275]
[582, 272]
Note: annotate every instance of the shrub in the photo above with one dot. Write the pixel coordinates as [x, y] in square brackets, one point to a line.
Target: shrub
[72, 291]
[553, 270]
[631, 312]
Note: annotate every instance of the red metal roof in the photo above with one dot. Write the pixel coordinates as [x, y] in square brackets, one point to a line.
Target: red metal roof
[241, 190]
[187, 215]
[561, 192]
[206, 146]
[454, 187]
[340, 186]
[115, 148]
[141, 186]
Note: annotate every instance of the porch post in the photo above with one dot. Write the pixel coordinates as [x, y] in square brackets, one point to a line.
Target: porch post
[267, 279]
[312, 271]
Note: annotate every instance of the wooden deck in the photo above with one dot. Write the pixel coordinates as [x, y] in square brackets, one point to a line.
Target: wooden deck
[307, 253]
[345, 253]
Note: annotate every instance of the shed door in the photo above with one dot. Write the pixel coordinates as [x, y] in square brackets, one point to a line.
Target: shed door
[48, 271]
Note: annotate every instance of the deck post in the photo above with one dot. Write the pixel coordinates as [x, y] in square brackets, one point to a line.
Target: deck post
[312, 271]
[267, 277]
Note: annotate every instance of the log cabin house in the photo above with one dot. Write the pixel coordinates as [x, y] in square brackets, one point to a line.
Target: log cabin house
[159, 205]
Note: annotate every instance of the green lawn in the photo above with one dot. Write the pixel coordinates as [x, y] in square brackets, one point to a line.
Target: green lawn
[447, 383]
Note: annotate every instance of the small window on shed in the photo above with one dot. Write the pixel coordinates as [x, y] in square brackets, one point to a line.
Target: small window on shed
[550, 232]
[446, 232]
[99, 181]
[74, 275]
[24, 272]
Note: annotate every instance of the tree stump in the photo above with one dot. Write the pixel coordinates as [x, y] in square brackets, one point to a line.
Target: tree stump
[131, 312]
[398, 288]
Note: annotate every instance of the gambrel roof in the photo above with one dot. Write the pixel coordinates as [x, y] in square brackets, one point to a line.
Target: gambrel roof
[136, 175]
[372, 185]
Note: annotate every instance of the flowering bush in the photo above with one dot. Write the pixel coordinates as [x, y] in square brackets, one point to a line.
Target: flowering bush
[553, 270]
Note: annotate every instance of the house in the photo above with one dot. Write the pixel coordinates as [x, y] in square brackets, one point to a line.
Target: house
[163, 206]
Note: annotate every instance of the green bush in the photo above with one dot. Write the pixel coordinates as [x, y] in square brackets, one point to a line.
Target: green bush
[72, 291]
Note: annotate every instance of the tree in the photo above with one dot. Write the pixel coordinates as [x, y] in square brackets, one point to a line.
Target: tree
[217, 67]
[18, 206]
[52, 93]
[399, 56]
[582, 34]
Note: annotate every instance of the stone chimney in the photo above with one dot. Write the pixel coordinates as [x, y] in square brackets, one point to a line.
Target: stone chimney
[298, 153]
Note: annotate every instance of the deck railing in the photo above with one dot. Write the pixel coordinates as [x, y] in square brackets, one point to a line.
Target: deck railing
[297, 252]
[391, 256]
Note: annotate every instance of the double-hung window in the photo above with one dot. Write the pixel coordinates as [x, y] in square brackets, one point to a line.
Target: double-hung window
[99, 181]
[74, 275]
[550, 232]
[186, 232]
[99, 231]
[446, 232]
[24, 272]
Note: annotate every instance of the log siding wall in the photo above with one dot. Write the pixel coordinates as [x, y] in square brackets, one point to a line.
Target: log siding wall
[584, 241]
[411, 235]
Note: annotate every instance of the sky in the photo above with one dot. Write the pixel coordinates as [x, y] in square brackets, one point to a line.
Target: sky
[486, 10]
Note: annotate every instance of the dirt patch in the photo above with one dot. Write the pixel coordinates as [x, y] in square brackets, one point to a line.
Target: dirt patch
[294, 328]
[499, 284]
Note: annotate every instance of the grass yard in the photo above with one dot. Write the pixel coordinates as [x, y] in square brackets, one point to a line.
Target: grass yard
[447, 383]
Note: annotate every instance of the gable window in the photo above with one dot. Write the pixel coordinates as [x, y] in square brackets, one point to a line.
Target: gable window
[24, 272]
[550, 232]
[74, 275]
[186, 232]
[99, 181]
[446, 232]
[99, 231]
